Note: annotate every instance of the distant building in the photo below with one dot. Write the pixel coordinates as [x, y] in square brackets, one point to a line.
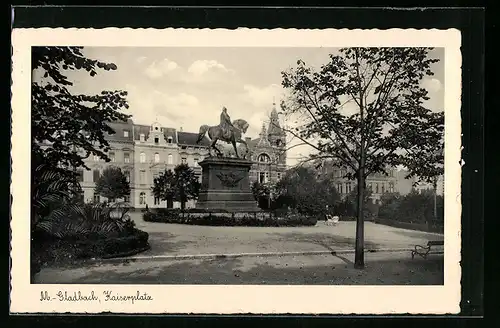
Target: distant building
[394, 181]
[406, 185]
[378, 183]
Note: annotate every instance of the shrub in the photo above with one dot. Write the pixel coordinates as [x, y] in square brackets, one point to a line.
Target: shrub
[78, 231]
[226, 218]
[67, 250]
[87, 221]
[416, 207]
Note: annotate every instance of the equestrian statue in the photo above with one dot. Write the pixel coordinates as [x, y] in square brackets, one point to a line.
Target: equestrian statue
[230, 132]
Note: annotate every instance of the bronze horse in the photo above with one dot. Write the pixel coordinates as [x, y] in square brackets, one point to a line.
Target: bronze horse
[216, 133]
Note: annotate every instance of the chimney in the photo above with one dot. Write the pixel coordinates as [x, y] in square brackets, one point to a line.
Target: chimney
[180, 129]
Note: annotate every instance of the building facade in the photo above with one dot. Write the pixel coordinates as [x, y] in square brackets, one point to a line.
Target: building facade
[395, 181]
[143, 152]
[379, 184]
[268, 152]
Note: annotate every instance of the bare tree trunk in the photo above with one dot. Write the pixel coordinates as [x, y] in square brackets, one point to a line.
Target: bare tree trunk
[359, 253]
[435, 199]
[435, 205]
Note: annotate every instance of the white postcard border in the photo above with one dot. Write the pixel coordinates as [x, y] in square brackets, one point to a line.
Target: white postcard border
[25, 298]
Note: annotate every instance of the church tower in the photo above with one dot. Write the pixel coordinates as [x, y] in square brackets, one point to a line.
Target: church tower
[276, 135]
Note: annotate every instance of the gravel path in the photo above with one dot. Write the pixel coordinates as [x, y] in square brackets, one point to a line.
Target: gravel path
[381, 269]
[178, 239]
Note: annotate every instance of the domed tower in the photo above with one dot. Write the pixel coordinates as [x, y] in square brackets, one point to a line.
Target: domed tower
[276, 135]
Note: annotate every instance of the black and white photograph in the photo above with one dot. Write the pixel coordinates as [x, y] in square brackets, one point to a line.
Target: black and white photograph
[222, 165]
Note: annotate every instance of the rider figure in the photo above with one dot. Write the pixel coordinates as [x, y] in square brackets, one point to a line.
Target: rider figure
[225, 123]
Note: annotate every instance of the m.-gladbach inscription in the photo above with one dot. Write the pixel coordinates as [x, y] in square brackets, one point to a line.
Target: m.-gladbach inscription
[69, 297]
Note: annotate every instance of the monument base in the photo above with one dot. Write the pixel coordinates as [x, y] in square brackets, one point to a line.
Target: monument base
[226, 186]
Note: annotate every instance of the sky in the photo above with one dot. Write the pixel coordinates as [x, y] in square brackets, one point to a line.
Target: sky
[187, 87]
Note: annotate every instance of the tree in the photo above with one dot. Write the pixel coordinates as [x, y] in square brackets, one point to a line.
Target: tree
[66, 128]
[261, 193]
[180, 185]
[364, 110]
[164, 187]
[369, 207]
[301, 190]
[112, 184]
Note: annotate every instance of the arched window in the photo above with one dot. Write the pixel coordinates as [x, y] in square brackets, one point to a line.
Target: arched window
[264, 158]
[142, 198]
[142, 158]
[157, 158]
[170, 159]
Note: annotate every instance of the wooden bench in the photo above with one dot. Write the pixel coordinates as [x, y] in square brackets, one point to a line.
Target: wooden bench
[423, 251]
[331, 220]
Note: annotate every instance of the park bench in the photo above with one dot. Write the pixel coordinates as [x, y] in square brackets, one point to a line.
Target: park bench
[423, 251]
[332, 220]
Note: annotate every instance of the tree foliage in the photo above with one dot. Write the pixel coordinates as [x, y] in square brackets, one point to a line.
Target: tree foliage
[415, 207]
[70, 126]
[370, 102]
[301, 190]
[50, 189]
[262, 193]
[112, 184]
[180, 185]
[365, 110]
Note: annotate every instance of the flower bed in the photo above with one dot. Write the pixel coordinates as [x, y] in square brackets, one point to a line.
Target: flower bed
[226, 218]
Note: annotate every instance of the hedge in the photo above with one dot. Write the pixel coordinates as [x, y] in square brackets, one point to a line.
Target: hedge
[226, 218]
[432, 227]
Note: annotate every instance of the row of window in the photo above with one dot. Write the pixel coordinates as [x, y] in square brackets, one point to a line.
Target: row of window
[142, 199]
[342, 173]
[374, 187]
[96, 174]
[112, 157]
[142, 158]
[97, 198]
[142, 136]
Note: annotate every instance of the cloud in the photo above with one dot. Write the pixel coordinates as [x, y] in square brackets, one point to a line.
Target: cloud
[158, 69]
[141, 59]
[432, 85]
[201, 67]
[263, 97]
[170, 109]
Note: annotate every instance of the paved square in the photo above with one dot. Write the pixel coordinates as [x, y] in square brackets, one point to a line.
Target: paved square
[178, 239]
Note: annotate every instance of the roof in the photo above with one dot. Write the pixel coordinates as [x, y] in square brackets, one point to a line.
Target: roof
[189, 138]
[253, 142]
[144, 129]
[119, 127]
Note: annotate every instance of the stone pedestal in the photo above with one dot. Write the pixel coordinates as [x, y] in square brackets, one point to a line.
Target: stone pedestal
[225, 185]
